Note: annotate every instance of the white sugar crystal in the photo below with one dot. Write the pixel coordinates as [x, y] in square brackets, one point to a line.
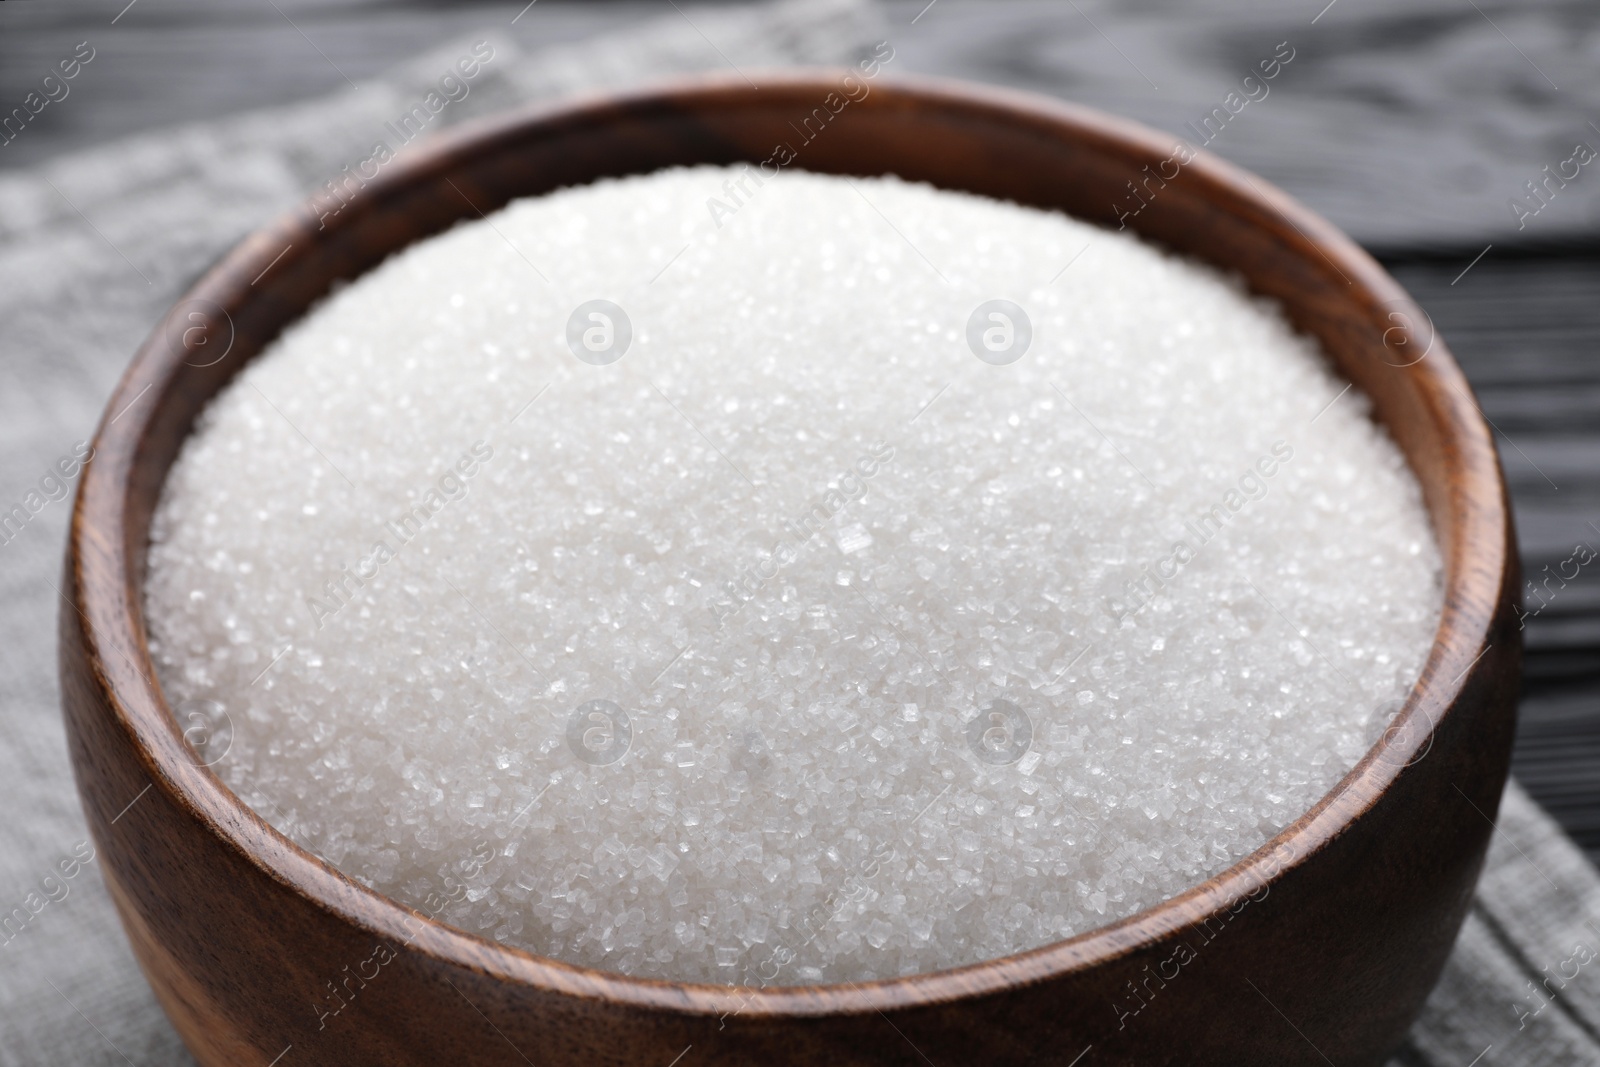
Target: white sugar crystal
[853, 538]
[816, 638]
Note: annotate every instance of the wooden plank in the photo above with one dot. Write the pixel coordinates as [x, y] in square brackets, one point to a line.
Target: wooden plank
[171, 61]
[1407, 123]
[1410, 123]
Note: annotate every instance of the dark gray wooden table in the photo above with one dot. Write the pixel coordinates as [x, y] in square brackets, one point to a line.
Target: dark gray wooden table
[1412, 124]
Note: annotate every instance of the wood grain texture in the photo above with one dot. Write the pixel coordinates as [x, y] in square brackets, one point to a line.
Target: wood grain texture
[1408, 123]
[1523, 325]
[1321, 944]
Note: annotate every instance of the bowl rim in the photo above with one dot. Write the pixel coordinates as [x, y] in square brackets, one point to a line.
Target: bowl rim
[1475, 548]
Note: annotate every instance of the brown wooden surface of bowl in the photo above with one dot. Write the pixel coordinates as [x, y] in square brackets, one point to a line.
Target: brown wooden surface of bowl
[1319, 947]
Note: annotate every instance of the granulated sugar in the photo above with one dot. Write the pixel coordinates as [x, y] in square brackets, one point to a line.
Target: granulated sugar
[818, 637]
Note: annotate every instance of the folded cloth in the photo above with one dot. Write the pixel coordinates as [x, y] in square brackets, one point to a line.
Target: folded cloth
[1522, 988]
[95, 246]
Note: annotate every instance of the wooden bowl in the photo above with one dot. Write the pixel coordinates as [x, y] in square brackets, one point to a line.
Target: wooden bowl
[1320, 946]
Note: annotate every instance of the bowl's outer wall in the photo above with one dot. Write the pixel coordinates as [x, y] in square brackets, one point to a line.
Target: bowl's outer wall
[248, 941]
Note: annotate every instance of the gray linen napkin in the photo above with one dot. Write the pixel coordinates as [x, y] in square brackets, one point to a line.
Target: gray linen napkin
[95, 246]
[1521, 988]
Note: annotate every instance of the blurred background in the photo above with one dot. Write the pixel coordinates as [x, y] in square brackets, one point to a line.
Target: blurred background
[1426, 129]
